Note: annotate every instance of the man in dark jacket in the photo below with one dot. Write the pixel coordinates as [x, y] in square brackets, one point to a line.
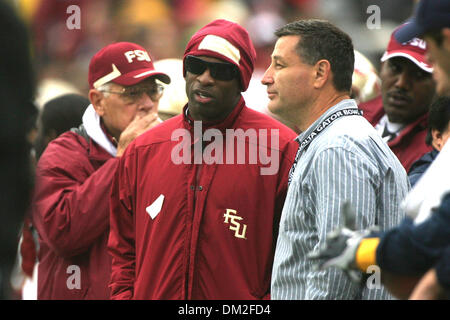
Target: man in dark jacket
[74, 174]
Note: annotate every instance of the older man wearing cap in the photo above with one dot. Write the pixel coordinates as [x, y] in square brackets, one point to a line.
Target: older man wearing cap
[400, 113]
[202, 226]
[74, 174]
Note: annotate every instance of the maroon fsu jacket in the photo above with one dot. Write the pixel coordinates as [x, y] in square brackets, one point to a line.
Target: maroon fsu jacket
[410, 144]
[197, 231]
[71, 214]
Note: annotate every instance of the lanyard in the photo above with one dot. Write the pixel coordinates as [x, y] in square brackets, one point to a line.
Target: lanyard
[304, 144]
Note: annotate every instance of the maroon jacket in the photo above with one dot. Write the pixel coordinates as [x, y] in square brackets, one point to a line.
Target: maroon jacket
[410, 144]
[215, 235]
[71, 214]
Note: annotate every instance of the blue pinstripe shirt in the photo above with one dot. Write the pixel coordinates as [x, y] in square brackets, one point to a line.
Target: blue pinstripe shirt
[346, 161]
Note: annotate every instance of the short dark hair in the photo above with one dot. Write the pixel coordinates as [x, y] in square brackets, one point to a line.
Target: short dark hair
[63, 112]
[438, 117]
[59, 115]
[322, 40]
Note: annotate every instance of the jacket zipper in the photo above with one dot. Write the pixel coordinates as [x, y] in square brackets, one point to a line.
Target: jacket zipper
[195, 187]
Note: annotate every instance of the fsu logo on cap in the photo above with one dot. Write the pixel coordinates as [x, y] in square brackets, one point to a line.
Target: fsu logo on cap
[125, 63]
[139, 55]
[416, 42]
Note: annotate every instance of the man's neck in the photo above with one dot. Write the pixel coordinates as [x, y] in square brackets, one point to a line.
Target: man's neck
[319, 107]
[112, 138]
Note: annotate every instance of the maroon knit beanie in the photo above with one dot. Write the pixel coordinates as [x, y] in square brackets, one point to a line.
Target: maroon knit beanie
[227, 41]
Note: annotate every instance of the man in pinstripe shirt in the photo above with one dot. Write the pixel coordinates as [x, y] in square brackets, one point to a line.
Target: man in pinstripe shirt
[341, 158]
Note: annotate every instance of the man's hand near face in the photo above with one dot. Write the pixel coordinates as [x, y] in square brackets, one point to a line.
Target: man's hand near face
[139, 125]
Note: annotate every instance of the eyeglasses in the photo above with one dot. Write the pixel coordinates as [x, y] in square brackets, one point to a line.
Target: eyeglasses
[218, 70]
[134, 93]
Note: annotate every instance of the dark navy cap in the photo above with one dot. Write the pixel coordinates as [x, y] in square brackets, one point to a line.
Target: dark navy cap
[429, 15]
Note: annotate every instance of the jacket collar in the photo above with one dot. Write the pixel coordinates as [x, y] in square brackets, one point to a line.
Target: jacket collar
[91, 122]
[374, 111]
[411, 129]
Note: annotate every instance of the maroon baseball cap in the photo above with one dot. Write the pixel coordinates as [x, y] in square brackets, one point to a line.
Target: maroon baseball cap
[124, 63]
[413, 50]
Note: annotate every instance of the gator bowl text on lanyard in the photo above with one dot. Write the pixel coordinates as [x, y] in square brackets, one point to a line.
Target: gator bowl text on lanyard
[304, 144]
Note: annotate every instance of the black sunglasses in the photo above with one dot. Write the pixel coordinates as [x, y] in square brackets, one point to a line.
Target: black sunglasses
[220, 71]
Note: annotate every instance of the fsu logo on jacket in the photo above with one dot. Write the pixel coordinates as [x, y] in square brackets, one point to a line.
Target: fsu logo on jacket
[232, 218]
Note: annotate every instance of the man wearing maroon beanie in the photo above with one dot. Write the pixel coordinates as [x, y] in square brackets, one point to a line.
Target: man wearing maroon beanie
[196, 201]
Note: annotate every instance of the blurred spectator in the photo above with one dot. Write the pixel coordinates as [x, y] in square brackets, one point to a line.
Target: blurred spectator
[368, 22]
[67, 33]
[232, 10]
[58, 116]
[50, 88]
[17, 114]
[400, 113]
[174, 98]
[149, 23]
[49, 29]
[57, 33]
[188, 12]
[437, 135]
[366, 84]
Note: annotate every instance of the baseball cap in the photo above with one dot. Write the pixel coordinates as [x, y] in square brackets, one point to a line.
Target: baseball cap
[124, 63]
[225, 40]
[413, 50]
[428, 15]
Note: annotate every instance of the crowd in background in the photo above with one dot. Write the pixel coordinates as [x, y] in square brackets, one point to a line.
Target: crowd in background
[61, 54]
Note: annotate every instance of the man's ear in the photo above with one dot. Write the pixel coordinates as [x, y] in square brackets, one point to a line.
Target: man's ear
[96, 97]
[322, 72]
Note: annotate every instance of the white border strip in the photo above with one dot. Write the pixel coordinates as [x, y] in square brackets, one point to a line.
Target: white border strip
[110, 76]
[222, 46]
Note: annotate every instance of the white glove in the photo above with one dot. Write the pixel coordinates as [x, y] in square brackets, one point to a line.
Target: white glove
[341, 246]
[339, 251]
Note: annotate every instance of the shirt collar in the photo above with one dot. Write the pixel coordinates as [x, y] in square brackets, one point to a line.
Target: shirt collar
[344, 104]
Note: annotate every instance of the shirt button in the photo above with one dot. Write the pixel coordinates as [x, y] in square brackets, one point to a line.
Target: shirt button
[192, 187]
[200, 188]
